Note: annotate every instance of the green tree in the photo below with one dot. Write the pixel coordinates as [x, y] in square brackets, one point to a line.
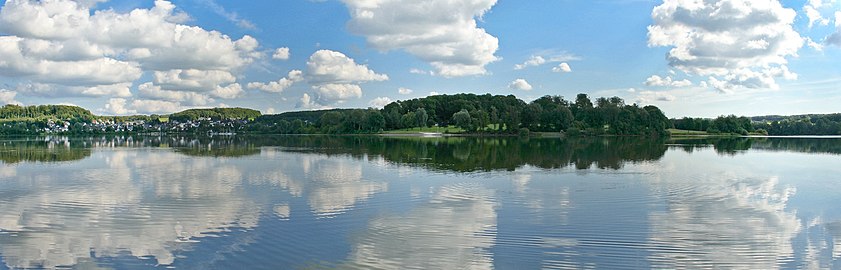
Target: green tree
[463, 120]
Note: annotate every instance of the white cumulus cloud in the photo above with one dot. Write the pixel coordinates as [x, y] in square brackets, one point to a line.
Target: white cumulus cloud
[520, 84]
[118, 106]
[562, 68]
[8, 97]
[336, 77]
[338, 92]
[534, 61]
[193, 79]
[75, 50]
[404, 91]
[442, 32]
[151, 91]
[380, 102]
[656, 80]
[335, 67]
[648, 97]
[281, 53]
[743, 43]
[279, 85]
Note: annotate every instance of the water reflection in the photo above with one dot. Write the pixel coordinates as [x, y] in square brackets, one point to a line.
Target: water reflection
[732, 146]
[455, 229]
[378, 202]
[331, 186]
[145, 203]
[725, 220]
[47, 149]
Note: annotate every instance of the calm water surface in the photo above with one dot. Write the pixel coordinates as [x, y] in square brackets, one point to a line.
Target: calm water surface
[422, 203]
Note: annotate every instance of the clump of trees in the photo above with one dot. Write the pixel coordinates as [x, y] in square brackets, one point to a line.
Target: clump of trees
[507, 114]
[722, 124]
[812, 124]
[64, 112]
[477, 114]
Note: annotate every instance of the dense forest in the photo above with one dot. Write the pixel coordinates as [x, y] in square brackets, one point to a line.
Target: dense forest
[478, 114]
[15, 112]
[810, 124]
[215, 114]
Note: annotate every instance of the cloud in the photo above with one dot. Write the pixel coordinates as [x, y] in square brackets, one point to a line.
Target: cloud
[421, 71]
[281, 54]
[814, 16]
[838, 19]
[155, 106]
[656, 80]
[450, 41]
[307, 102]
[193, 79]
[51, 62]
[380, 102]
[121, 106]
[279, 85]
[562, 68]
[230, 16]
[337, 92]
[77, 51]
[547, 56]
[8, 97]
[835, 38]
[741, 42]
[648, 97]
[404, 91]
[334, 67]
[117, 106]
[53, 91]
[336, 77]
[534, 61]
[151, 91]
[814, 45]
[520, 84]
[231, 91]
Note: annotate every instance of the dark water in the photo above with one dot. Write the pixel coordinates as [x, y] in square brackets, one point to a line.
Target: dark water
[419, 203]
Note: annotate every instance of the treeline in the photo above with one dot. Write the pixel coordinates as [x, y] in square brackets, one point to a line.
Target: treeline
[335, 121]
[722, 124]
[215, 114]
[486, 114]
[507, 114]
[15, 112]
[812, 124]
[478, 114]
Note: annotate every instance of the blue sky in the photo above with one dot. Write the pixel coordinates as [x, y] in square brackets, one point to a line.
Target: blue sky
[691, 58]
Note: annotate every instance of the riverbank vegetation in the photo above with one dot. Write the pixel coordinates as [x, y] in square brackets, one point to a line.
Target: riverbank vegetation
[460, 113]
[810, 124]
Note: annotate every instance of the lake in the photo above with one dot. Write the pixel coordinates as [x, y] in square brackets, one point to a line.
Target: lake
[368, 202]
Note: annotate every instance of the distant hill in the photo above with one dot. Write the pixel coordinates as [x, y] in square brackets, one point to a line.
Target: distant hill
[306, 116]
[216, 114]
[835, 117]
[42, 112]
